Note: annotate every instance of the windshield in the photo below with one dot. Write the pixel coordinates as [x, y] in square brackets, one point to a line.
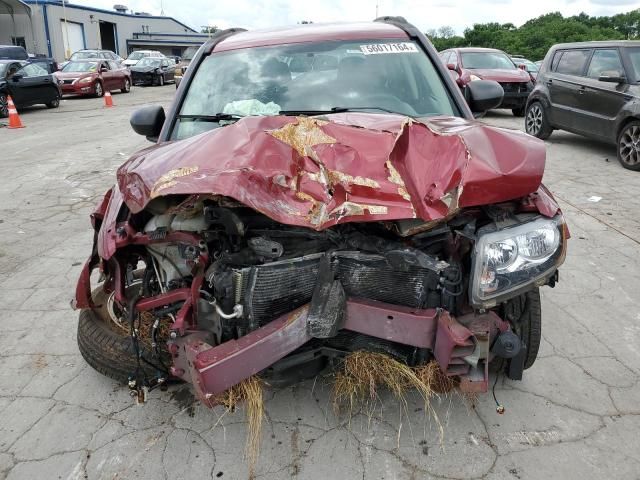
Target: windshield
[189, 53]
[148, 62]
[367, 75]
[80, 67]
[487, 60]
[529, 65]
[137, 56]
[83, 55]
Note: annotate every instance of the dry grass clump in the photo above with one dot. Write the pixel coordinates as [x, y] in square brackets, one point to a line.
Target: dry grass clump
[432, 375]
[248, 392]
[365, 373]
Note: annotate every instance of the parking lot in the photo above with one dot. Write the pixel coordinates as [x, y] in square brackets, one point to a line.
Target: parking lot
[576, 414]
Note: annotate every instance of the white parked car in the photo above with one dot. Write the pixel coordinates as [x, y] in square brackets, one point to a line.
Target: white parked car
[139, 54]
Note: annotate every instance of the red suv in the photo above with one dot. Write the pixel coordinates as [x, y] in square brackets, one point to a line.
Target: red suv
[93, 77]
[471, 64]
[286, 218]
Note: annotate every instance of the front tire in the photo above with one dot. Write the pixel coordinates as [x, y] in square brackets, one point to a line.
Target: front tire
[629, 146]
[161, 81]
[536, 122]
[525, 315]
[4, 106]
[55, 103]
[99, 91]
[126, 87]
[107, 348]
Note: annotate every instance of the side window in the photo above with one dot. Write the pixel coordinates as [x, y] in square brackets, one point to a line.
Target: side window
[445, 57]
[33, 70]
[573, 62]
[604, 61]
[112, 65]
[556, 59]
[165, 63]
[453, 58]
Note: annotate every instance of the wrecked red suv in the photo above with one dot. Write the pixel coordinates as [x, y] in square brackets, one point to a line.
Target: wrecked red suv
[315, 191]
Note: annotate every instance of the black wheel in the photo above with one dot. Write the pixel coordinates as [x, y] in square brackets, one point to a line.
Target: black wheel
[629, 146]
[107, 347]
[161, 80]
[4, 106]
[525, 315]
[536, 122]
[99, 90]
[55, 103]
[126, 87]
[518, 112]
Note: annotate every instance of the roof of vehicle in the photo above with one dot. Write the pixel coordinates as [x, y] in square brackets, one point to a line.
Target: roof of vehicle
[313, 32]
[599, 43]
[477, 49]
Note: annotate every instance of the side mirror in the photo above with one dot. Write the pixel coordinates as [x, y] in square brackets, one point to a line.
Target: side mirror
[103, 69]
[483, 95]
[17, 76]
[522, 66]
[452, 66]
[148, 121]
[612, 76]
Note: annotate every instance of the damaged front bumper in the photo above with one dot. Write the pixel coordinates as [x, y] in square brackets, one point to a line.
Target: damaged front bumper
[461, 346]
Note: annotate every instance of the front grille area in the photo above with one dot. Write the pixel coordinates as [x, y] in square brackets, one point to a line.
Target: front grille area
[514, 87]
[68, 81]
[270, 290]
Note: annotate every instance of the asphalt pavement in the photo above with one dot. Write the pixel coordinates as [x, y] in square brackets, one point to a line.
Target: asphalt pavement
[575, 415]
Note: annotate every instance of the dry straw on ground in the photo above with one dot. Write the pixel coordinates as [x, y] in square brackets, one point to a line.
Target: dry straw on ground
[365, 373]
[248, 393]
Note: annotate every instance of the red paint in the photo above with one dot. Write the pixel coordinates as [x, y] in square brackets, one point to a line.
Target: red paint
[310, 33]
[110, 80]
[212, 370]
[441, 157]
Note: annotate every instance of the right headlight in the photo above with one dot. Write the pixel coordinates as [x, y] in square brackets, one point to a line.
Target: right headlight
[510, 260]
[473, 78]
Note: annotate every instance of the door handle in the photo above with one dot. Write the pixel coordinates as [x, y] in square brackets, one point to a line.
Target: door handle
[581, 90]
[549, 83]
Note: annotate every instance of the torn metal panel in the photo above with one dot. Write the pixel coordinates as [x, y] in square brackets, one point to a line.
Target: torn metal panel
[351, 167]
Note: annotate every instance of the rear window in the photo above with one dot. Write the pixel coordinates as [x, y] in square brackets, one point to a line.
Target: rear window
[572, 62]
[13, 53]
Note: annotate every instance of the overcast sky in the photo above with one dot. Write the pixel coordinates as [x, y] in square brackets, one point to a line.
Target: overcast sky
[423, 13]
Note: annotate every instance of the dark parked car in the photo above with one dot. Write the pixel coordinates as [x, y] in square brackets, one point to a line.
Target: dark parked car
[27, 84]
[473, 64]
[281, 223]
[591, 89]
[13, 52]
[153, 71]
[86, 77]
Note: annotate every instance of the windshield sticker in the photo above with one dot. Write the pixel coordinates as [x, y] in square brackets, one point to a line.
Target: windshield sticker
[378, 48]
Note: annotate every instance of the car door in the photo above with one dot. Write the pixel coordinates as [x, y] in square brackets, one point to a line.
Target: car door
[118, 74]
[169, 72]
[31, 84]
[565, 81]
[601, 101]
[108, 80]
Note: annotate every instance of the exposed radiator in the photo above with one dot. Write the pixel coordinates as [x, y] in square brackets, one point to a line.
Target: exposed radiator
[270, 290]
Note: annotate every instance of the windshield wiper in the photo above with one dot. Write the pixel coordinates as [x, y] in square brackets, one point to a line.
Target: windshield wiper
[211, 118]
[311, 113]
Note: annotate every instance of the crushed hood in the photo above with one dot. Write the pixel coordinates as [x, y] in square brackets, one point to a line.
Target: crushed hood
[317, 172]
[501, 75]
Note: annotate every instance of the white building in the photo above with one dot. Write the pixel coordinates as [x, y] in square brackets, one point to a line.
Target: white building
[57, 29]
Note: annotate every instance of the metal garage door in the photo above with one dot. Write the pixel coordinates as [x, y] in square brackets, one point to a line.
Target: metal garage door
[75, 34]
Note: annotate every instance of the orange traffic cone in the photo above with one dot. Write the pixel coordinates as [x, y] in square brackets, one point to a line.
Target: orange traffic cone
[14, 118]
[108, 101]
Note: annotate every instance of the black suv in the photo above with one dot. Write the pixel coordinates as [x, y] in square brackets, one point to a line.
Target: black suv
[592, 89]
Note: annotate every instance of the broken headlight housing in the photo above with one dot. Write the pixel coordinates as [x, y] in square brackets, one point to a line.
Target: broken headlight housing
[510, 260]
